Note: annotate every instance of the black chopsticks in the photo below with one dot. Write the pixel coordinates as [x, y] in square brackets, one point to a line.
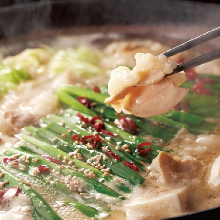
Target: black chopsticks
[192, 43]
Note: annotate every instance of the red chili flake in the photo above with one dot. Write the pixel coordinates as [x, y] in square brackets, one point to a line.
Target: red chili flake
[82, 118]
[140, 147]
[199, 88]
[2, 192]
[96, 89]
[97, 122]
[43, 169]
[97, 118]
[87, 139]
[208, 81]
[98, 126]
[183, 105]
[97, 138]
[180, 60]
[111, 154]
[18, 190]
[52, 159]
[127, 124]
[108, 133]
[191, 74]
[131, 165]
[75, 137]
[9, 193]
[8, 160]
[13, 191]
[84, 101]
[94, 140]
[177, 106]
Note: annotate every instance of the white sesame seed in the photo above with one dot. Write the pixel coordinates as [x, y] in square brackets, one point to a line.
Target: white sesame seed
[55, 139]
[63, 135]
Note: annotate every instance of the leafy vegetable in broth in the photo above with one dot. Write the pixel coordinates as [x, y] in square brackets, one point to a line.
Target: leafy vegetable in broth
[10, 77]
[66, 153]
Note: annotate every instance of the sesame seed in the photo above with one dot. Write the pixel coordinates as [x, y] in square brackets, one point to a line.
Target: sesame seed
[36, 160]
[1, 175]
[104, 148]
[55, 139]
[117, 180]
[4, 182]
[138, 130]
[13, 164]
[22, 158]
[125, 146]
[74, 178]
[97, 157]
[27, 183]
[70, 130]
[22, 167]
[71, 162]
[98, 166]
[93, 104]
[105, 170]
[92, 159]
[89, 146]
[128, 150]
[101, 111]
[82, 194]
[63, 135]
[80, 190]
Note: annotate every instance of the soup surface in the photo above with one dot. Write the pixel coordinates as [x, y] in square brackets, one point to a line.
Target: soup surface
[68, 155]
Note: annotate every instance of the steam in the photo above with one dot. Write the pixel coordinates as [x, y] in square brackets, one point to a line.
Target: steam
[24, 17]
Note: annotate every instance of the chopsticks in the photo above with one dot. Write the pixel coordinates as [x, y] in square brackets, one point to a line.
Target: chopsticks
[192, 43]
